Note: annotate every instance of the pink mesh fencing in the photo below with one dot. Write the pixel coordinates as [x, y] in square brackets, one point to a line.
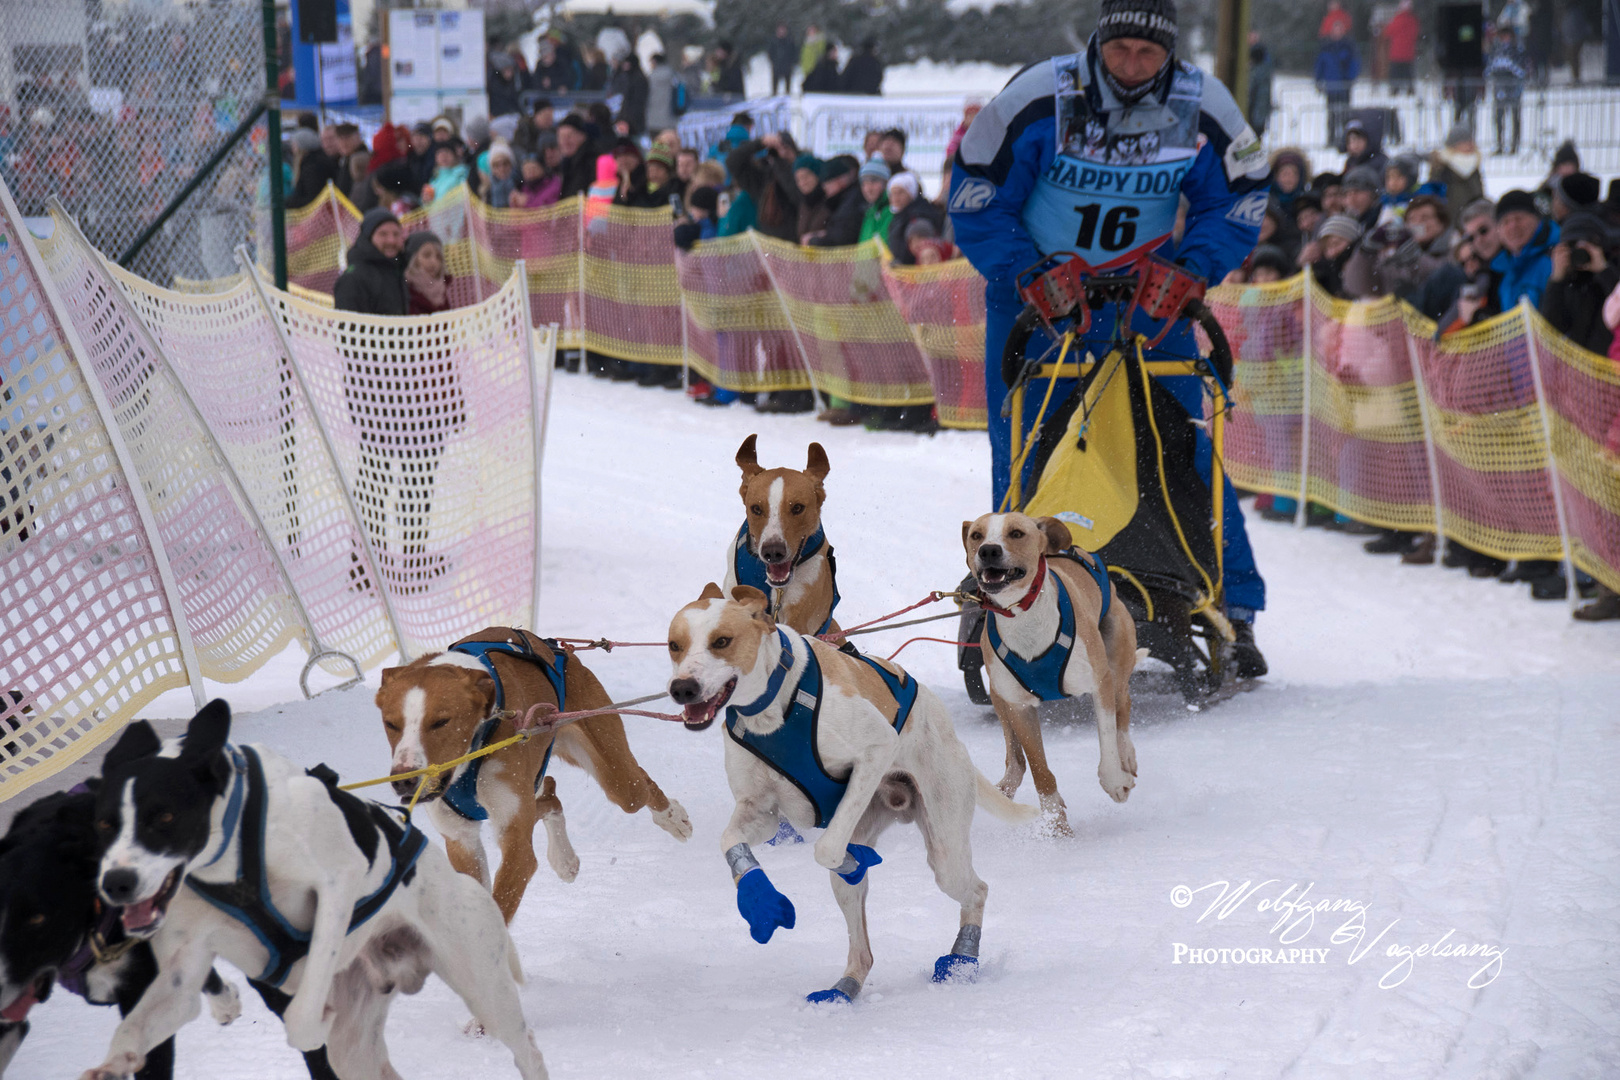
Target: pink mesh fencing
[432, 423]
[238, 606]
[737, 331]
[944, 307]
[846, 323]
[1265, 328]
[89, 634]
[632, 298]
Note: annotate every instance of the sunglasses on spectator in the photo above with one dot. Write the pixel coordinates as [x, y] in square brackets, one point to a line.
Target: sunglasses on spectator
[1482, 231]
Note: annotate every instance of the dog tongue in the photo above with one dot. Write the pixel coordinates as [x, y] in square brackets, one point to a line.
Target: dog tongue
[17, 1011]
[696, 713]
[140, 916]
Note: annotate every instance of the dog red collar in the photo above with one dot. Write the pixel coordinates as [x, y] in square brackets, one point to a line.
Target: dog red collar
[1029, 598]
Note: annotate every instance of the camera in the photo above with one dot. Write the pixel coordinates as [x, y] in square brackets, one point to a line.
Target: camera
[1579, 257]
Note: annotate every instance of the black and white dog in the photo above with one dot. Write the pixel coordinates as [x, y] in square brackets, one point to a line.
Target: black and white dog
[54, 931]
[213, 849]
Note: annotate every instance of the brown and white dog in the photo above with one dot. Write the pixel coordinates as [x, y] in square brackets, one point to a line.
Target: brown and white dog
[1017, 563]
[811, 736]
[433, 707]
[781, 549]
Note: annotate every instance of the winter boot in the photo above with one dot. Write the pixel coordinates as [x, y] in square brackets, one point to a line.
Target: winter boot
[1390, 542]
[1247, 661]
[1422, 552]
[1606, 606]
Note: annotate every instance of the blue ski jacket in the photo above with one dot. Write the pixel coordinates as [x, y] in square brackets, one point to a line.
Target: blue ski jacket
[1057, 163]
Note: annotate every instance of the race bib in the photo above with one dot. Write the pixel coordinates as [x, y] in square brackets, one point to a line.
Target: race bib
[1106, 214]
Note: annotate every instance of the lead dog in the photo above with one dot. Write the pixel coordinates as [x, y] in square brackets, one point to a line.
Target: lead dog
[441, 706]
[220, 850]
[54, 932]
[830, 740]
[1052, 631]
[781, 549]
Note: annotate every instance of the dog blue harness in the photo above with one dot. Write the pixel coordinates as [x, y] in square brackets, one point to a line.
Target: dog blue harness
[462, 795]
[749, 569]
[247, 899]
[1043, 675]
[791, 748]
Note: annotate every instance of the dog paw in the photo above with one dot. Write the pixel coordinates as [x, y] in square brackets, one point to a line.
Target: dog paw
[564, 862]
[1127, 754]
[117, 1067]
[1055, 816]
[829, 855]
[674, 821]
[473, 1029]
[226, 1005]
[1117, 783]
[304, 1034]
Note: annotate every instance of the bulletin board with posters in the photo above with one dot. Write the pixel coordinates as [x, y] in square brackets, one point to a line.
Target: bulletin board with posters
[436, 65]
[837, 124]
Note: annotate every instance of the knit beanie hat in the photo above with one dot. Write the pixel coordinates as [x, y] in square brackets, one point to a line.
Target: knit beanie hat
[1459, 134]
[661, 156]
[419, 240]
[923, 228]
[808, 161]
[1150, 20]
[906, 182]
[875, 167]
[1362, 178]
[1268, 255]
[1516, 200]
[1341, 225]
[1408, 166]
[704, 198]
[1566, 154]
[1578, 190]
[1584, 227]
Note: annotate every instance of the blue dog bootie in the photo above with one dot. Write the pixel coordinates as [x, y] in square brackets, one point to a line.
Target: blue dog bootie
[961, 964]
[763, 907]
[842, 993]
[855, 863]
[785, 834]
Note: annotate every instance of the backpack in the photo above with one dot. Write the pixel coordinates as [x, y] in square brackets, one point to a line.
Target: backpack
[679, 99]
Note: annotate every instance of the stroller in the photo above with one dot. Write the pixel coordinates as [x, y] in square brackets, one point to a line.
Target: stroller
[1114, 459]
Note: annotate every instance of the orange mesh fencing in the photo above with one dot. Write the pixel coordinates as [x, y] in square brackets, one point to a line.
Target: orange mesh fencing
[944, 307]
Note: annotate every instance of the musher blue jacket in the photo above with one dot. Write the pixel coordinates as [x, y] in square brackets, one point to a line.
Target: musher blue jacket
[1056, 163]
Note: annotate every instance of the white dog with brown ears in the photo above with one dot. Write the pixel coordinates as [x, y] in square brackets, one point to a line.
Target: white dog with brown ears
[836, 741]
[1052, 630]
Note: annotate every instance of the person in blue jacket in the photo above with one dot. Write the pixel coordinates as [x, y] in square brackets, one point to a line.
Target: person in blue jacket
[1093, 153]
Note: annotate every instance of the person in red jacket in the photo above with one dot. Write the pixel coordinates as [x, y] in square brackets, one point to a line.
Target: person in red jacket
[1402, 33]
[1336, 19]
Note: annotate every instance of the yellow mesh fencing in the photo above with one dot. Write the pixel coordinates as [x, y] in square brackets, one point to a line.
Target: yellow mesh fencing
[944, 307]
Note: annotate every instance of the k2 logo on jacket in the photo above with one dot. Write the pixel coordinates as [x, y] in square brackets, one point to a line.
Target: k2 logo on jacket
[972, 195]
[1249, 210]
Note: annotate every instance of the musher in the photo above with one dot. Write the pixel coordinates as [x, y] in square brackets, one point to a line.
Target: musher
[1093, 153]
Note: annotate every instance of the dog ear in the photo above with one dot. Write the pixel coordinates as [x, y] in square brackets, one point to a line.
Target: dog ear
[208, 731]
[137, 741]
[967, 527]
[481, 684]
[711, 591]
[747, 460]
[816, 465]
[1058, 537]
[750, 598]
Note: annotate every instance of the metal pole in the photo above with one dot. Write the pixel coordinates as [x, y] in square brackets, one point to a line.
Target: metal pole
[372, 565]
[278, 196]
[192, 185]
[1305, 406]
[1571, 594]
[1232, 50]
[1428, 445]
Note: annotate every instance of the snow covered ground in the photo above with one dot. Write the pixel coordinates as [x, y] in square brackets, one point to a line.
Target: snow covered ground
[1433, 753]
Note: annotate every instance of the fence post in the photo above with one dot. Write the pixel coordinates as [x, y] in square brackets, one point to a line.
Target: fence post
[126, 463]
[1305, 403]
[316, 647]
[582, 363]
[686, 345]
[536, 430]
[337, 225]
[331, 454]
[1572, 595]
[1421, 389]
[770, 275]
[473, 248]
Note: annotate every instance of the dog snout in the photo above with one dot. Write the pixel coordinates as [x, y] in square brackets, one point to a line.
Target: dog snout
[119, 886]
[405, 788]
[773, 551]
[989, 552]
[685, 691]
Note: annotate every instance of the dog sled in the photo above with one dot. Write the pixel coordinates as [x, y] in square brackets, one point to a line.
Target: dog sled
[1113, 454]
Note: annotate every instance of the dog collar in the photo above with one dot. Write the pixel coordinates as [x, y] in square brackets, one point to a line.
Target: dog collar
[233, 803]
[773, 686]
[1029, 598]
